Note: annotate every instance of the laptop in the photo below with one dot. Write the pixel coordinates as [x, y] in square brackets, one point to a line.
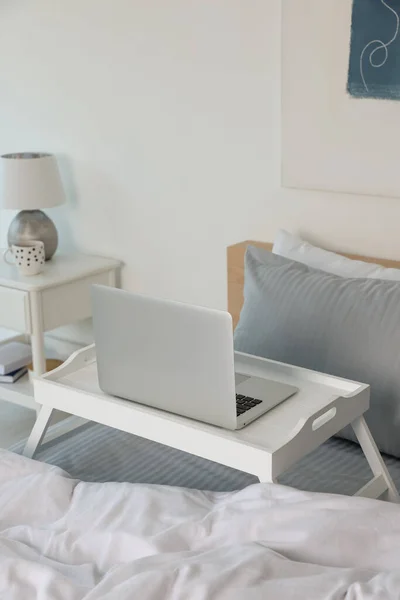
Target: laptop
[178, 358]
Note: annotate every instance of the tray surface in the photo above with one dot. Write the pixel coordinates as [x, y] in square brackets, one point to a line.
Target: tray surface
[269, 432]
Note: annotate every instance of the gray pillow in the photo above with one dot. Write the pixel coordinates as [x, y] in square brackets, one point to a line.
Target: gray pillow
[345, 327]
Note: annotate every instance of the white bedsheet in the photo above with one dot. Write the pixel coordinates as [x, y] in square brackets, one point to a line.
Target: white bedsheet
[65, 540]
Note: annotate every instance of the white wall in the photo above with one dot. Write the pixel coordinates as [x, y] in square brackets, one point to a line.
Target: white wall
[166, 114]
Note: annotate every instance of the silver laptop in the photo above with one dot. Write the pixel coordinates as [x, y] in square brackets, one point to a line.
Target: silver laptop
[176, 357]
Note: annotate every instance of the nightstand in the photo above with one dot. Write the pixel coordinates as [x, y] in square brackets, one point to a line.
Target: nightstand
[58, 296]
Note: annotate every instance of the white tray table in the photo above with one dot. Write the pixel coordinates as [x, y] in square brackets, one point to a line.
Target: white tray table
[266, 448]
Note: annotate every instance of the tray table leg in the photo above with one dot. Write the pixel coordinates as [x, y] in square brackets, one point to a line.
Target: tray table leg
[264, 478]
[38, 432]
[375, 459]
[264, 475]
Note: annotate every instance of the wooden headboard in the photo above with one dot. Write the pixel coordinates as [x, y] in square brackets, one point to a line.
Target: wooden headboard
[236, 272]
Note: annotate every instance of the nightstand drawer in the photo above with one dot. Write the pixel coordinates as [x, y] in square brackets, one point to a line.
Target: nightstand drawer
[70, 302]
[14, 310]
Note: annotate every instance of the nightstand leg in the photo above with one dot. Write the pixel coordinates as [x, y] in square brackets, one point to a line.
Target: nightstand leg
[112, 278]
[38, 432]
[375, 459]
[37, 337]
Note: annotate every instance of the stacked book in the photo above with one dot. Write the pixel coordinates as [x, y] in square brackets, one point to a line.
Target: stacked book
[14, 360]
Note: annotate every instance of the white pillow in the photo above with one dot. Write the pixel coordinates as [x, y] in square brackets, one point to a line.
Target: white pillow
[293, 247]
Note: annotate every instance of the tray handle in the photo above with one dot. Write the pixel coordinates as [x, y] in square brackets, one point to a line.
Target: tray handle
[78, 360]
[320, 422]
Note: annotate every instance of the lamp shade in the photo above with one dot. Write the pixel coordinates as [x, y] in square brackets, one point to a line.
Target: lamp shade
[29, 181]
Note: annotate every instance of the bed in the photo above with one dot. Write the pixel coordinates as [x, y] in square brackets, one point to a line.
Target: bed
[102, 514]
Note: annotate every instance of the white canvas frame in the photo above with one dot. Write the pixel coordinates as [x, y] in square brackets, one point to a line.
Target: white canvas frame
[331, 141]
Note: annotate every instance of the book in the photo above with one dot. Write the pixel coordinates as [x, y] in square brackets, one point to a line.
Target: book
[13, 376]
[14, 356]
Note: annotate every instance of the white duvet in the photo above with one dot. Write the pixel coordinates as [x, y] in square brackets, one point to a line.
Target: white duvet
[65, 540]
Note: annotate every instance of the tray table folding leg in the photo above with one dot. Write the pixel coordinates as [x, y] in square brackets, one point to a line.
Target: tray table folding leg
[38, 432]
[382, 484]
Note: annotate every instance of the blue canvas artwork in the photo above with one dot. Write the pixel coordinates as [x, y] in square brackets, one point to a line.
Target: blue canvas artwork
[374, 66]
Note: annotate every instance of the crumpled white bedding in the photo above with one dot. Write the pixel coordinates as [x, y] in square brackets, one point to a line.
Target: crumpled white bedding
[65, 540]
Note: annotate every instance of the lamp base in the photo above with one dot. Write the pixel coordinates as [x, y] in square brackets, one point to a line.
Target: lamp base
[30, 225]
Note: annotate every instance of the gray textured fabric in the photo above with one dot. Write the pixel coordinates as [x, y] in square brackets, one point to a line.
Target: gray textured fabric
[98, 453]
[345, 327]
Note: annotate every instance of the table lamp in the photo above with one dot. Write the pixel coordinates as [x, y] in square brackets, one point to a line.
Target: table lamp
[31, 181]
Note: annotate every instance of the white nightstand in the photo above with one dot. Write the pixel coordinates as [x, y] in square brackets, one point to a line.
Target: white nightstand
[58, 296]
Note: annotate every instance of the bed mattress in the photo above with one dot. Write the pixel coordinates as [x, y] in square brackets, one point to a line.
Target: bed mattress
[96, 453]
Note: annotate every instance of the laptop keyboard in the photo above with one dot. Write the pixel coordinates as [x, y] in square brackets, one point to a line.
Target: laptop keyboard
[245, 403]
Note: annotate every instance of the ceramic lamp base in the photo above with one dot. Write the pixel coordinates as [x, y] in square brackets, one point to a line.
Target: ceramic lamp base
[30, 225]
